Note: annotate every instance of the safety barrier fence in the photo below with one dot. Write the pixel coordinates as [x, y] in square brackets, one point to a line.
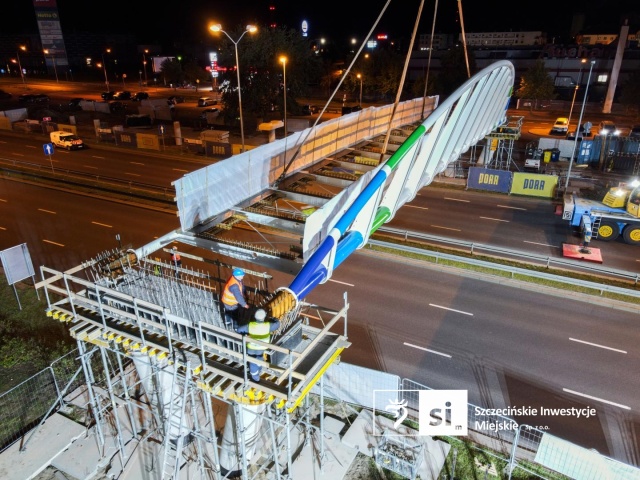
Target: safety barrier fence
[518, 255]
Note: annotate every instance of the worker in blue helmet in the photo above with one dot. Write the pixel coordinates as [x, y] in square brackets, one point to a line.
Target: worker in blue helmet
[233, 297]
[258, 329]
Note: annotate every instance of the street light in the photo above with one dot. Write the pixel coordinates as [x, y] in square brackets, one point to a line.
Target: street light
[575, 142]
[144, 63]
[24, 49]
[583, 61]
[53, 59]
[283, 60]
[360, 78]
[104, 66]
[249, 28]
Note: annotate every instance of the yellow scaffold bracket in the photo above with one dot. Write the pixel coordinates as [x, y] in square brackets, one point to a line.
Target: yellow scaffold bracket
[315, 379]
[56, 314]
[49, 313]
[197, 370]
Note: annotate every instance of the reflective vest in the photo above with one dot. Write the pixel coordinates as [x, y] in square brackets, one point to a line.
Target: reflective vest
[175, 257]
[259, 331]
[228, 298]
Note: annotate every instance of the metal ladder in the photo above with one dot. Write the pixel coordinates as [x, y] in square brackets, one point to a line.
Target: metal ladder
[173, 443]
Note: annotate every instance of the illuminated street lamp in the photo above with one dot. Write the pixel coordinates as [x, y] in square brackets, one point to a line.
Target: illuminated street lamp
[575, 142]
[360, 78]
[144, 63]
[24, 49]
[283, 60]
[249, 28]
[583, 61]
[53, 59]
[104, 66]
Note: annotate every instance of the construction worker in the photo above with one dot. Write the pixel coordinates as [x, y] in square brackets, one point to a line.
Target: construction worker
[233, 297]
[176, 260]
[261, 330]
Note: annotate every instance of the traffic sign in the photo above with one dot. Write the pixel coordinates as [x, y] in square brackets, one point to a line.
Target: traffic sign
[48, 148]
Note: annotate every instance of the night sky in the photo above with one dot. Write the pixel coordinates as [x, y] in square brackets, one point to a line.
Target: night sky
[159, 21]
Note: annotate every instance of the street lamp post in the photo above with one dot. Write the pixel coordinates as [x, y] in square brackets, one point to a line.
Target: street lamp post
[104, 67]
[53, 59]
[583, 61]
[23, 48]
[360, 78]
[575, 142]
[283, 60]
[144, 64]
[250, 28]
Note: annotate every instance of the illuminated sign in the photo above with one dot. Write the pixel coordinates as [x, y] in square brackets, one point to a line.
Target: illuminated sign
[381, 36]
[305, 28]
[213, 59]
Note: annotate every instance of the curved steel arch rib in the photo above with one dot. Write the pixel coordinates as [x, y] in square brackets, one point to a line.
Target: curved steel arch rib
[464, 118]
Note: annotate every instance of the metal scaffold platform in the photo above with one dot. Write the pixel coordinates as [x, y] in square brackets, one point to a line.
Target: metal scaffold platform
[158, 360]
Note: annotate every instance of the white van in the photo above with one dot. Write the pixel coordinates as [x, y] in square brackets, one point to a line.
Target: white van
[66, 140]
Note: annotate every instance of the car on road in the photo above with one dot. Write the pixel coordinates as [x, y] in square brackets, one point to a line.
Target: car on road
[66, 140]
[5, 95]
[107, 95]
[635, 131]
[572, 135]
[33, 98]
[74, 103]
[138, 96]
[123, 95]
[206, 101]
[560, 127]
[175, 99]
[607, 127]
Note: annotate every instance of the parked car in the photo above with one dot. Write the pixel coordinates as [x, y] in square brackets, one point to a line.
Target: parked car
[607, 127]
[635, 131]
[309, 109]
[5, 95]
[136, 97]
[123, 95]
[560, 127]
[206, 101]
[74, 103]
[175, 99]
[107, 95]
[572, 135]
[33, 98]
[116, 106]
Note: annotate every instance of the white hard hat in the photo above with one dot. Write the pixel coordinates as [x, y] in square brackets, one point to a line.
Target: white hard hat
[175, 248]
[260, 315]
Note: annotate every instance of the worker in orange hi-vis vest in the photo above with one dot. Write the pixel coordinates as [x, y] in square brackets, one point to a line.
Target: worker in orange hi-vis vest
[233, 297]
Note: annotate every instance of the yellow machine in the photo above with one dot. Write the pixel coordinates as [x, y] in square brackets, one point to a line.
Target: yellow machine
[626, 197]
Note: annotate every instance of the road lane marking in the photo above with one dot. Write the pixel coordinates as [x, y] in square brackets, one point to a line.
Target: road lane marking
[457, 199]
[342, 283]
[450, 309]
[512, 208]
[17, 154]
[90, 166]
[414, 206]
[31, 146]
[136, 163]
[133, 174]
[3, 200]
[596, 398]
[179, 170]
[47, 211]
[96, 156]
[495, 219]
[597, 345]
[53, 243]
[102, 224]
[2, 228]
[446, 228]
[427, 350]
[542, 244]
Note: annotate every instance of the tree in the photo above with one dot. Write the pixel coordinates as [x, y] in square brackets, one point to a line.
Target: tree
[536, 84]
[453, 71]
[171, 70]
[261, 72]
[630, 95]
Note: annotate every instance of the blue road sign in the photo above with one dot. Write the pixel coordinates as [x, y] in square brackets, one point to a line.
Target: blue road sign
[48, 148]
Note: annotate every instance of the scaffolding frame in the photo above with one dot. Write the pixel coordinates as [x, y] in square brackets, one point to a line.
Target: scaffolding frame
[157, 359]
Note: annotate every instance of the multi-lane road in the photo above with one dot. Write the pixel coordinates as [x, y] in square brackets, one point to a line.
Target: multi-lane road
[509, 346]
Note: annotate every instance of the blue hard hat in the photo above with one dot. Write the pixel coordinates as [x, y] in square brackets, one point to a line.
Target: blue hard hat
[238, 272]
